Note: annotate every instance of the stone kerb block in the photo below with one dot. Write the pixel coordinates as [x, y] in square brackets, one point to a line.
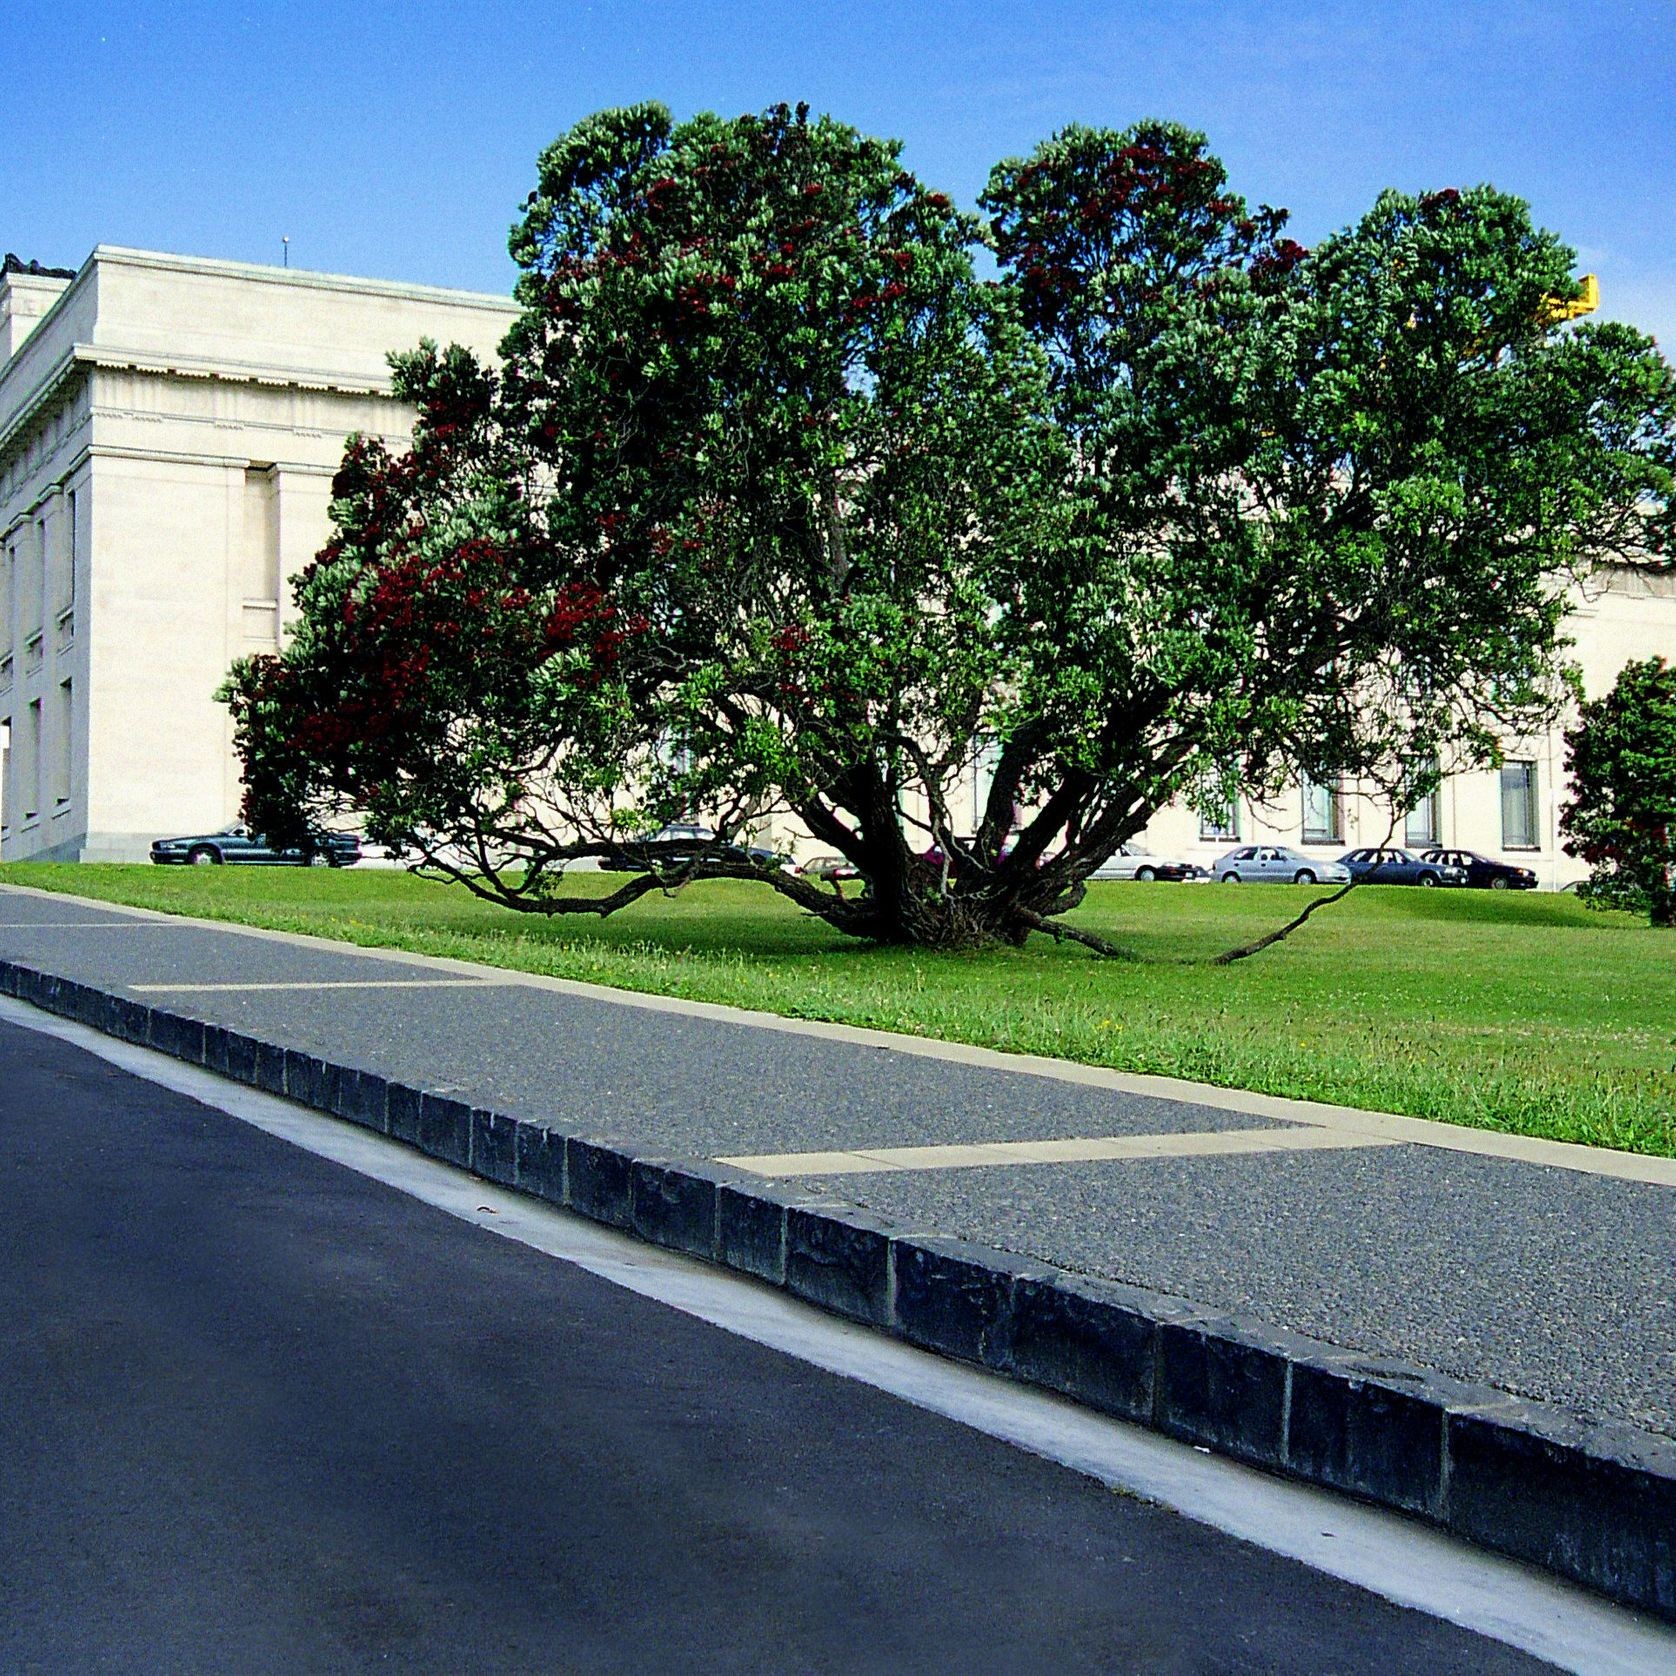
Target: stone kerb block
[1093, 1341]
[305, 1079]
[402, 1112]
[243, 1054]
[956, 1298]
[539, 1161]
[177, 1036]
[269, 1069]
[1372, 1428]
[1223, 1384]
[494, 1146]
[1596, 1503]
[445, 1129]
[360, 1097]
[672, 1203]
[841, 1260]
[751, 1222]
[597, 1181]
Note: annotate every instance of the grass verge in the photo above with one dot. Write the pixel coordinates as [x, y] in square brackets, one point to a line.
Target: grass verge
[1524, 1013]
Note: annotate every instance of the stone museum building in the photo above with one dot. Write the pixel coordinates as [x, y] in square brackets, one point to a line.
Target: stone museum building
[169, 428]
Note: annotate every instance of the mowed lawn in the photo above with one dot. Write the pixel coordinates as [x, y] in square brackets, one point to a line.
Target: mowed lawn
[1520, 1012]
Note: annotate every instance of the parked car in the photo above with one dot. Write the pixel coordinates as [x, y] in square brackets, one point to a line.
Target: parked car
[936, 856]
[238, 843]
[1392, 866]
[1481, 872]
[831, 868]
[1132, 862]
[1274, 864]
[685, 841]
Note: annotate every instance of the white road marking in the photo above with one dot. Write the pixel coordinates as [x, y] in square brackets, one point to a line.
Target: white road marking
[1196, 1143]
[79, 925]
[1387, 1555]
[311, 983]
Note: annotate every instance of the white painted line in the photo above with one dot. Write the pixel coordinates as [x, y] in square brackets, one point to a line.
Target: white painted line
[1387, 1555]
[81, 925]
[1196, 1143]
[1420, 1131]
[312, 983]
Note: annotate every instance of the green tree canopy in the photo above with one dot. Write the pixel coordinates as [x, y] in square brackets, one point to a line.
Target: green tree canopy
[1621, 815]
[773, 504]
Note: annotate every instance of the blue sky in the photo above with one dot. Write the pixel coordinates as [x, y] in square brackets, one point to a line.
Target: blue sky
[397, 139]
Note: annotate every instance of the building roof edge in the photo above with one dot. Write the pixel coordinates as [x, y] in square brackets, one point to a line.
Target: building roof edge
[117, 255]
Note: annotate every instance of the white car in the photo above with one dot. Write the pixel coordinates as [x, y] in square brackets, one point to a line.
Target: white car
[1133, 862]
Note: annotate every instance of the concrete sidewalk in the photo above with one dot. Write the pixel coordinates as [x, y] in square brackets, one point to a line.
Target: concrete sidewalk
[1417, 1254]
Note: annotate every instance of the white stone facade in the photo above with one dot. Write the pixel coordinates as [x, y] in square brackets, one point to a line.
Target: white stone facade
[1510, 814]
[169, 428]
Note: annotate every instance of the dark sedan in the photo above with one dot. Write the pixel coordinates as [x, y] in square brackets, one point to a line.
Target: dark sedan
[239, 844]
[1482, 873]
[1399, 867]
[679, 845]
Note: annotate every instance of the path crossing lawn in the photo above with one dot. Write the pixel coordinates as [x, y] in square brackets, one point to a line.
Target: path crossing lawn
[1526, 1013]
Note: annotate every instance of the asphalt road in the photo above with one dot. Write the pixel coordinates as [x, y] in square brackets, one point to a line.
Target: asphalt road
[258, 1412]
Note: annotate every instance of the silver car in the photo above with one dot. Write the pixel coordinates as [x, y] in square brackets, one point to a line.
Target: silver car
[1274, 864]
[1130, 861]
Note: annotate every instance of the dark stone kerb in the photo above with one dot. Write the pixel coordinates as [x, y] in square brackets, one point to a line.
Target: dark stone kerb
[841, 1260]
[1593, 1502]
[958, 1298]
[672, 1203]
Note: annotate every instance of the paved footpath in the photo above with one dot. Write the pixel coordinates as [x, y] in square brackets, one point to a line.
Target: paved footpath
[1425, 1251]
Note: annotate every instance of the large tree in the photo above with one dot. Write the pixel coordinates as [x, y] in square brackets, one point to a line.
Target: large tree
[774, 505]
[1621, 815]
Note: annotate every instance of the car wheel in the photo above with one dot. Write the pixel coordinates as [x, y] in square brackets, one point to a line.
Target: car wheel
[1498, 884]
[1146, 874]
[1230, 878]
[1429, 880]
[1303, 876]
[204, 856]
[320, 859]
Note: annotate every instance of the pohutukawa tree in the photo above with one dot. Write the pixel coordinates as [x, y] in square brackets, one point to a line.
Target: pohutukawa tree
[773, 505]
[1621, 816]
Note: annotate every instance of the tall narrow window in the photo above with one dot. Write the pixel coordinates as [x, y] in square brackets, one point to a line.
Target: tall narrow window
[1520, 824]
[67, 557]
[1420, 823]
[42, 561]
[1321, 822]
[63, 755]
[28, 565]
[1220, 821]
[29, 792]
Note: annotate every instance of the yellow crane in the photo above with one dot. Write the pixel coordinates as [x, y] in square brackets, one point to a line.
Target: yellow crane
[1556, 309]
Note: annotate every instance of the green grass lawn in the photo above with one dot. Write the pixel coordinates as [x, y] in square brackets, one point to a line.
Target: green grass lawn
[1519, 1012]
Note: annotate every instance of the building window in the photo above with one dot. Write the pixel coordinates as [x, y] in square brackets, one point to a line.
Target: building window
[1420, 826]
[1520, 825]
[63, 756]
[31, 765]
[1219, 821]
[1321, 822]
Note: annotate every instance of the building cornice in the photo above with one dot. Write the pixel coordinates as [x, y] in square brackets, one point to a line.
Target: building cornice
[100, 357]
[115, 255]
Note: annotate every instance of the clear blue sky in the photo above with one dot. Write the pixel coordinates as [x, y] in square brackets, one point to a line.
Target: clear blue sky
[397, 138]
